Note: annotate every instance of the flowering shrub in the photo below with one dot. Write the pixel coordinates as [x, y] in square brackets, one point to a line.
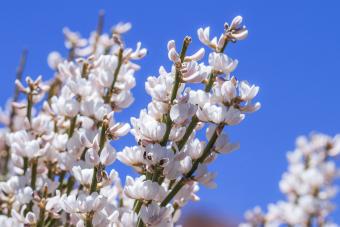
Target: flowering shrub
[308, 185]
[57, 156]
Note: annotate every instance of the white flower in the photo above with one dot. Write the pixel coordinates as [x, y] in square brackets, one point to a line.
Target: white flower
[157, 109]
[226, 91]
[212, 113]
[23, 145]
[121, 28]
[132, 156]
[233, 116]
[83, 203]
[104, 69]
[192, 72]
[236, 22]
[83, 176]
[67, 107]
[147, 128]
[54, 59]
[66, 161]
[194, 148]
[222, 144]
[157, 154]
[108, 155]
[60, 141]
[143, 189]
[196, 56]
[8, 221]
[73, 39]
[30, 219]
[92, 157]
[156, 216]
[221, 63]
[308, 203]
[235, 31]
[95, 108]
[139, 52]
[187, 193]
[160, 87]
[248, 92]
[177, 132]
[119, 130]
[181, 112]
[199, 97]
[173, 55]
[313, 177]
[129, 218]
[204, 37]
[53, 204]
[80, 87]
[24, 195]
[122, 100]
[204, 177]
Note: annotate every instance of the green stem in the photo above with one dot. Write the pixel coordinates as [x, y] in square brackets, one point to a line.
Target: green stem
[224, 45]
[173, 192]
[7, 157]
[70, 184]
[88, 221]
[71, 53]
[50, 170]
[109, 94]
[168, 123]
[210, 83]
[155, 176]
[29, 107]
[34, 173]
[206, 152]
[137, 208]
[41, 217]
[94, 180]
[56, 83]
[25, 164]
[19, 73]
[188, 131]
[174, 91]
[138, 203]
[140, 222]
[72, 126]
[18, 76]
[99, 30]
[102, 141]
[84, 70]
[187, 41]
[61, 180]
[195, 120]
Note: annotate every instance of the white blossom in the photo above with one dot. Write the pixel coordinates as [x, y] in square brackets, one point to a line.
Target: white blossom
[143, 189]
[59, 155]
[153, 215]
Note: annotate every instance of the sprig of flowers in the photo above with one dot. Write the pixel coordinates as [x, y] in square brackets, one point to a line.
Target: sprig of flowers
[61, 147]
[308, 185]
[173, 158]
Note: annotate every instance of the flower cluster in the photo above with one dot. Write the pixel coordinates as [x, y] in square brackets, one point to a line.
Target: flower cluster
[308, 185]
[57, 144]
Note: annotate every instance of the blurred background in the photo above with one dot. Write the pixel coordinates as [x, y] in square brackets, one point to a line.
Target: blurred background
[292, 53]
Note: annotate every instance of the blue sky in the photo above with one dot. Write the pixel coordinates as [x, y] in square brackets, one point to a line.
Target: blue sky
[292, 53]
